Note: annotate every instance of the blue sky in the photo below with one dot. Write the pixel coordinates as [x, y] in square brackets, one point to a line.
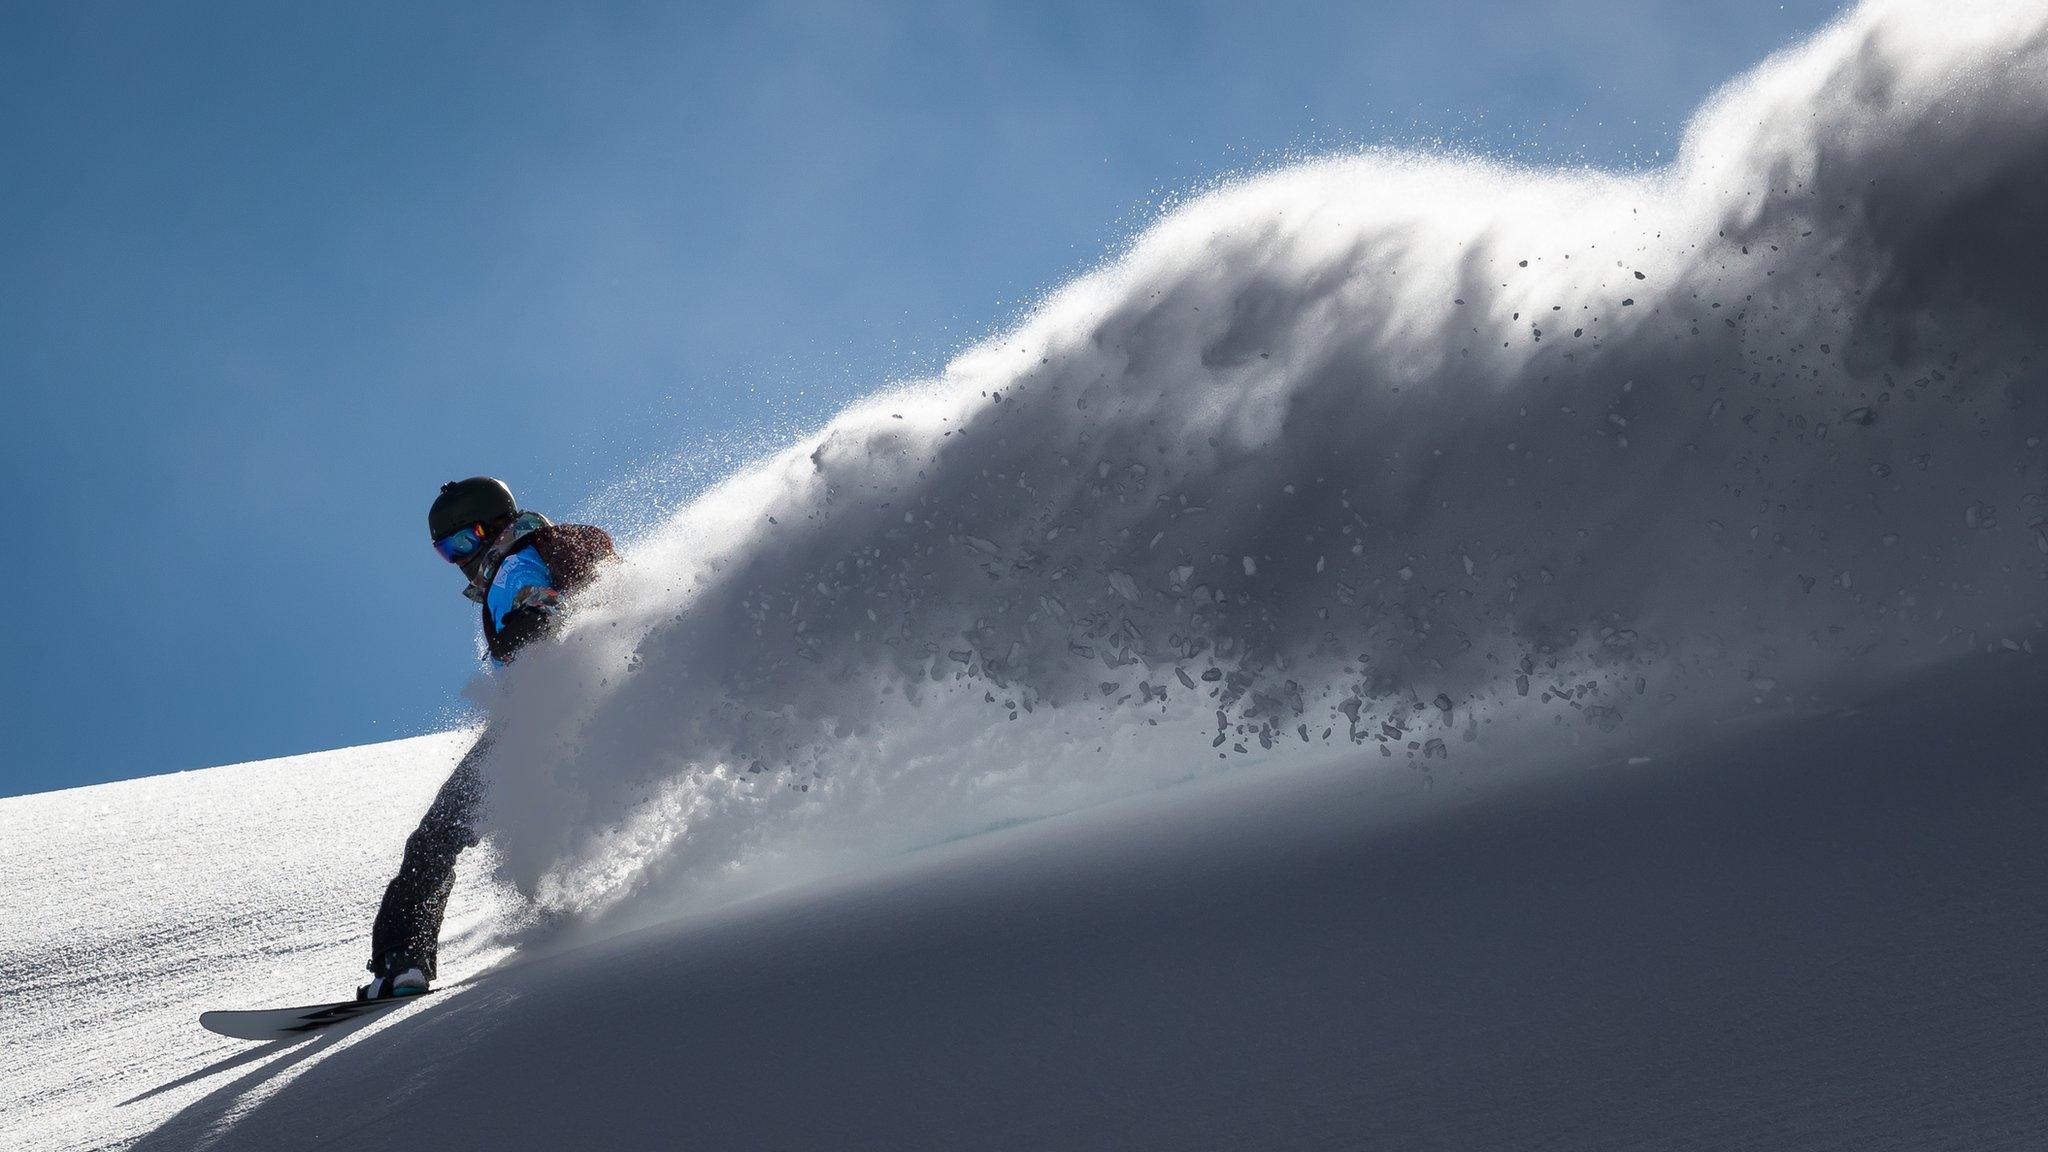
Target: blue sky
[273, 272]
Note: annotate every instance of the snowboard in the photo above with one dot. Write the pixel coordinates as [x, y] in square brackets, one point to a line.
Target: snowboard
[299, 1023]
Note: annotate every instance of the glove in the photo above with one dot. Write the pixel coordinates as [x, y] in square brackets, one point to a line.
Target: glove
[526, 623]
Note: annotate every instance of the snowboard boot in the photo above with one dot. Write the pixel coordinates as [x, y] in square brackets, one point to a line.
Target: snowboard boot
[405, 980]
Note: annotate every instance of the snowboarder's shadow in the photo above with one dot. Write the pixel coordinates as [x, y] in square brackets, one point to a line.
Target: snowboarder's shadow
[260, 1052]
[199, 1123]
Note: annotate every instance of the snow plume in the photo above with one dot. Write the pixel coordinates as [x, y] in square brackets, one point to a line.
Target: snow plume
[1397, 454]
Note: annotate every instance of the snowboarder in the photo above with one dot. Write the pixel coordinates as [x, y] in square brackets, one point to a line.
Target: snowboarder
[520, 567]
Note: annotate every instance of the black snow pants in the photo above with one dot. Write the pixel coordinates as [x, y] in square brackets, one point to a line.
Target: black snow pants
[408, 929]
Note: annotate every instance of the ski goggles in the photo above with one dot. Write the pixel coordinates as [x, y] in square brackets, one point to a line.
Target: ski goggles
[460, 545]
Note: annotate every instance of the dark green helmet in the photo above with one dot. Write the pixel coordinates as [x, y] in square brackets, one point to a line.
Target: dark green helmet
[477, 500]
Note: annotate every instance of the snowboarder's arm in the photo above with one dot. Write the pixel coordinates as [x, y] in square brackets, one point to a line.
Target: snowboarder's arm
[523, 601]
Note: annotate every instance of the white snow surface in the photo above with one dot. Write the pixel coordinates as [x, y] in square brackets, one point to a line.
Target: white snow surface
[1816, 928]
[128, 908]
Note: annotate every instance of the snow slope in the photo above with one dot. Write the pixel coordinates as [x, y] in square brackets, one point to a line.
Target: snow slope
[127, 908]
[1810, 930]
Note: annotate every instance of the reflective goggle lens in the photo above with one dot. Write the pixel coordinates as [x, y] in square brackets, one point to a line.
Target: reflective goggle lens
[459, 546]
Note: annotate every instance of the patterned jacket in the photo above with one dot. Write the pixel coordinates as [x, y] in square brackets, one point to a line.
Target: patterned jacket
[525, 574]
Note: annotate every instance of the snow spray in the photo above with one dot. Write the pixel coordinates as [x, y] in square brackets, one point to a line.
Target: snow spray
[1403, 455]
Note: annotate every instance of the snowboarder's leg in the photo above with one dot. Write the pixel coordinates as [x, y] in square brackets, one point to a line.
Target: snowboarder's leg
[408, 929]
